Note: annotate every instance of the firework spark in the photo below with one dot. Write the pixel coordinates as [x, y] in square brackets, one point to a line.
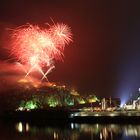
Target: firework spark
[37, 47]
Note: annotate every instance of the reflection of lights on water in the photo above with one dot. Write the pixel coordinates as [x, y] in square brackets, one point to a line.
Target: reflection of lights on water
[112, 126]
[72, 126]
[20, 127]
[76, 125]
[55, 135]
[104, 132]
[97, 125]
[27, 127]
[130, 131]
[101, 137]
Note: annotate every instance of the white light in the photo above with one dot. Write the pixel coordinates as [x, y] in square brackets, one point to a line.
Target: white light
[72, 126]
[71, 115]
[19, 127]
[75, 114]
[101, 136]
[96, 114]
[112, 114]
[54, 135]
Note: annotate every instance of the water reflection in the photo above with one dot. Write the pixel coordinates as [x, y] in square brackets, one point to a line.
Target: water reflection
[20, 127]
[72, 131]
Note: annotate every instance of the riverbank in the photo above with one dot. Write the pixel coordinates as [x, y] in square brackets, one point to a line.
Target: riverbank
[70, 116]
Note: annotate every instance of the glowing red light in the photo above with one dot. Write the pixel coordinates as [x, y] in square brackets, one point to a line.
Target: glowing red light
[38, 47]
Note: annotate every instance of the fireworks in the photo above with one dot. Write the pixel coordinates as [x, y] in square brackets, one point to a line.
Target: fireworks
[37, 47]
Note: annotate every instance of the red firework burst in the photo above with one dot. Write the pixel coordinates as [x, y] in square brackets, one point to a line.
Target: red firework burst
[36, 47]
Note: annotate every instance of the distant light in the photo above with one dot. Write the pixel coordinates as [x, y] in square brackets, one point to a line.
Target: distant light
[82, 102]
[20, 109]
[83, 114]
[96, 114]
[122, 105]
[71, 115]
[112, 115]
[123, 102]
[76, 114]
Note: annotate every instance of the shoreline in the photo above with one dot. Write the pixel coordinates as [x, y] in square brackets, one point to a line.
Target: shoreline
[66, 116]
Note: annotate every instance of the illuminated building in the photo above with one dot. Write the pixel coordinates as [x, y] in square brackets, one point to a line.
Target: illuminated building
[110, 103]
[103, 104]
[134, 102]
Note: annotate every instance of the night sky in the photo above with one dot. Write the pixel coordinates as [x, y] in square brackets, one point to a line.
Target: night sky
[104, 56]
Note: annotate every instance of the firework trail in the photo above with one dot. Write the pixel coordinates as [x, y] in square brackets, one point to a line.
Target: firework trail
[36, 47]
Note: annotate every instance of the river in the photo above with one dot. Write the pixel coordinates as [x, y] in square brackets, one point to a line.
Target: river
[68, 131]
